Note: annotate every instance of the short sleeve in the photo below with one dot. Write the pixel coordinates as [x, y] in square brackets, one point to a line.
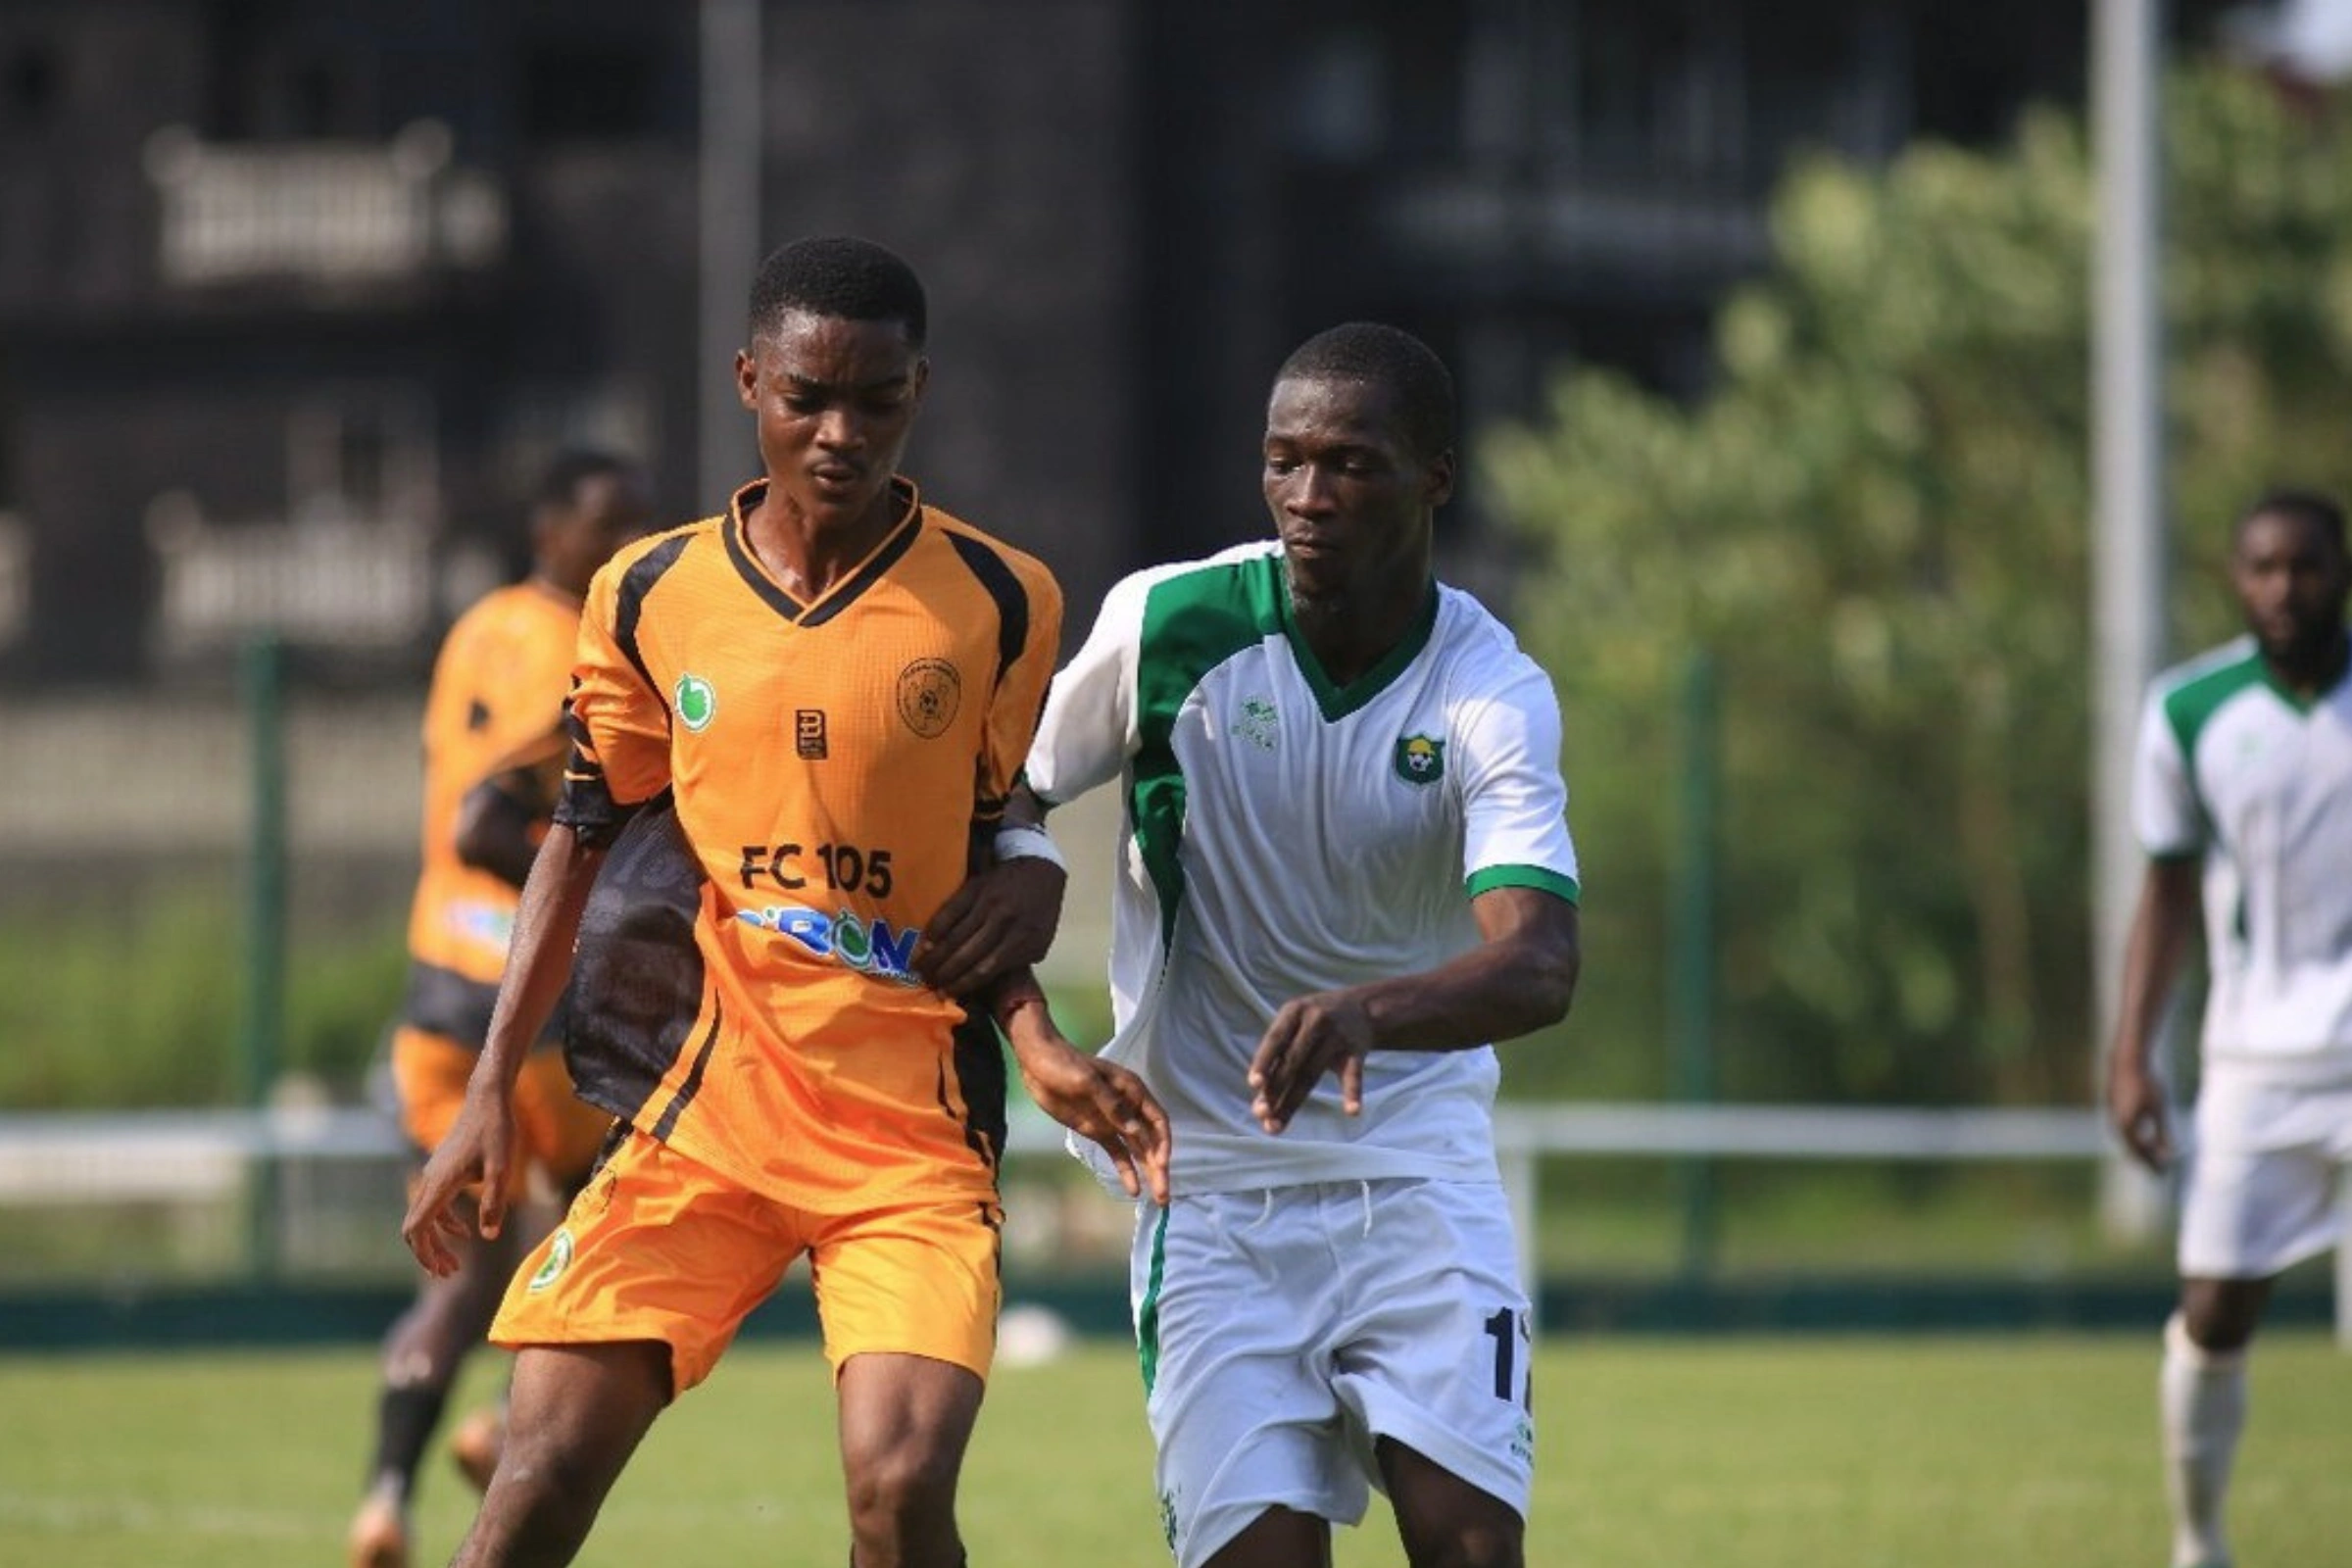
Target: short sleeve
[2166, 815]
[618, 724]
[1087, 732]
[1514, 800]
[1020, 696]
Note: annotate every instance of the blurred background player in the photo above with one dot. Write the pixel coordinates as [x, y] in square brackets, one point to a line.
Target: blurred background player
[492, 746]
[2243, 801]
[1349, 870]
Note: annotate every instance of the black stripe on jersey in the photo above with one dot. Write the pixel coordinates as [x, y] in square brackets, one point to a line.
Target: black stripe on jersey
[639, 581]
[979, 1067]
[1012, 600]
[585, 804]
[693, 1077]
[841, 598]
[834, 601]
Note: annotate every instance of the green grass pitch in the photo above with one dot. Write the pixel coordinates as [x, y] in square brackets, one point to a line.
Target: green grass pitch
[1761, 1453]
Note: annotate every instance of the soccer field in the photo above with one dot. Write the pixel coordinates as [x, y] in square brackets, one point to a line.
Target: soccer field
[1779, 1454]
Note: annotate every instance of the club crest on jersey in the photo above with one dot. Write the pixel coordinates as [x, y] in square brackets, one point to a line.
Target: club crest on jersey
[695, 701]
[1420, 760]
[929, 694]
[1259, 723]
[559, 1258]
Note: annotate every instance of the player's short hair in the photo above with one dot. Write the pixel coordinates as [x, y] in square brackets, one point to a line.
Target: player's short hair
[842, 277]
[2322, 512]
[1388, 357]
[560, 482]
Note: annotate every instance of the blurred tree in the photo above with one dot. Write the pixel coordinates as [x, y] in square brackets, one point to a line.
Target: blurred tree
[1879, 522]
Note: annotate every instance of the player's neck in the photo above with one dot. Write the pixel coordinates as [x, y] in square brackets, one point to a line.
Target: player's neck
[808, 554]
[2308, 675]
[1350, 633]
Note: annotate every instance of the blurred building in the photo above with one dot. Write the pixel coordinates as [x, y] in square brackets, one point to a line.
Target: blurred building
[294, 297]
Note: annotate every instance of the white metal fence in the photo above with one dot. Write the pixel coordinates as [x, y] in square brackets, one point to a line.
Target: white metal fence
[196, 1157]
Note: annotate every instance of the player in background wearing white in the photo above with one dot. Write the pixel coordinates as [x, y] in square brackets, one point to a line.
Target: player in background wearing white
[1345, 870]
[2243, 798]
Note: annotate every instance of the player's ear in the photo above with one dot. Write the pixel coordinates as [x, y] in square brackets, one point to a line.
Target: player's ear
[747, 378]
[1439, 486]
[922, 376]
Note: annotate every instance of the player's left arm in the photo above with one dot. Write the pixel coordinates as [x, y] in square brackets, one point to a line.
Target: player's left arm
[1519, 978]
[1520, 875]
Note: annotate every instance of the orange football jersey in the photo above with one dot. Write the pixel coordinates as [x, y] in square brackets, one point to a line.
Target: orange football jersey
[498, 687]
[828, 763]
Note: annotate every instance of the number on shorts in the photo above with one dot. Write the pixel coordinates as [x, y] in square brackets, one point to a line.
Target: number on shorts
[1507, 1328]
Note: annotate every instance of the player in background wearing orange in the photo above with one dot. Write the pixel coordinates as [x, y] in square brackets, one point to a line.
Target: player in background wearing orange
[494, 708]
[826, 691]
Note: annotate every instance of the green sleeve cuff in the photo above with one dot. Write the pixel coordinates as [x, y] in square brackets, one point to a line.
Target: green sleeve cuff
[1489, 878]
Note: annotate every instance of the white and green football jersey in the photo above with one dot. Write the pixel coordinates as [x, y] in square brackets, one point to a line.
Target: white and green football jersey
[1285, 836]
[2258, 782]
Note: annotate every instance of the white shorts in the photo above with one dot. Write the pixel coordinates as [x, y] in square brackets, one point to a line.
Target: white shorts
[2262, 1176]
[1282, 1331]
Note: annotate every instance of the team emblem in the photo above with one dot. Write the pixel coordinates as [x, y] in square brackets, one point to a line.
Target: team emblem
[929, 694]
[559, 1258]
[1420, 760]
[696, 701]
[1260, 723]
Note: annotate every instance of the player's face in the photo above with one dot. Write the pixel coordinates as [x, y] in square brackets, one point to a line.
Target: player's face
[835, 401]
[1351, 498]
[2292, 581]
[605, 511]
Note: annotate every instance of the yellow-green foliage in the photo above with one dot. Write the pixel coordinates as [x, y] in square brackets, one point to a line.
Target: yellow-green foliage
[1879, 521]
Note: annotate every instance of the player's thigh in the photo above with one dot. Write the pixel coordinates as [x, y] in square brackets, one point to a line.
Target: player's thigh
[2261, 1186]
[656, 1247]
[576, 1413]
[1436, 1351]
[1234, 1301]
[920, 1277]
[905, 1423]
[1442, 1518]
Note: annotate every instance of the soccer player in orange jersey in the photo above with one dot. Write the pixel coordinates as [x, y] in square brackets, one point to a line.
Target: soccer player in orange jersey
[496, 700]
[824, 694]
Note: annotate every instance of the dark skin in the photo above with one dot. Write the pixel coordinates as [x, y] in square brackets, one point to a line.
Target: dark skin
[2292, 582]
[834, 402]
[1354, 503]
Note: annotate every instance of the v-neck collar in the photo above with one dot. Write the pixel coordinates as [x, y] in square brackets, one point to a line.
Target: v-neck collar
[845, 592]
[1335, 701]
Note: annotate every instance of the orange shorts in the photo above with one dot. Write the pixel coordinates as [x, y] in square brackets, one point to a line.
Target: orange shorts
[561, 1132]
[659, 1248]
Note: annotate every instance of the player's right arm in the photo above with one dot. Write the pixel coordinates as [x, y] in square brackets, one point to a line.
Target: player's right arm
[2169, 820]
[2162, 925]
[480, 1146]
[619, 730]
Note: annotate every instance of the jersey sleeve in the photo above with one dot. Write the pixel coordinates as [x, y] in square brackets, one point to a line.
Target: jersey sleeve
[1019, 697]
[2165, 816]
[1514, 801]
[618, 727]
[1088, 731]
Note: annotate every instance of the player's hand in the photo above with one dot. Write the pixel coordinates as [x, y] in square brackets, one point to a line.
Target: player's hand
[1002, 919]
[1310, 1037]
[474, 1157]
[2135, 1105]
[1104, 1101]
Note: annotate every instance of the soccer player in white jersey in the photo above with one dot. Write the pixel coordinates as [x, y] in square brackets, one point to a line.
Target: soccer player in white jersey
[1347, 870]
[2243, 801]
